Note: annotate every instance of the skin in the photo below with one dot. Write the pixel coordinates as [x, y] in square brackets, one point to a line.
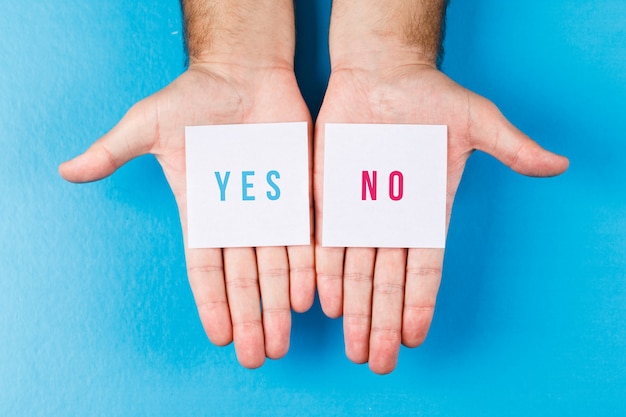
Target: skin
[383, 59]
[241, 71]
[383, 71]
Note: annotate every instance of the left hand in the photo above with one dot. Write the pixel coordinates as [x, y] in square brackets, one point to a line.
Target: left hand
[387, 296]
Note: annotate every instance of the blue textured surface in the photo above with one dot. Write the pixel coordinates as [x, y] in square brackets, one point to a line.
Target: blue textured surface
[96, 316]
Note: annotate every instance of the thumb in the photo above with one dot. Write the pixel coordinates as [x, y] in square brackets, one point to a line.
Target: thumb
[133, 136]
[499, 138]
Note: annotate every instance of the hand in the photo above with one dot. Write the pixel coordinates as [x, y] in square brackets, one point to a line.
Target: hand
[387, 296]
[227, 284]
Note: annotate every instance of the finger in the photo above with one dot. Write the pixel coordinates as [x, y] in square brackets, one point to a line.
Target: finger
[206, 278]
[329, 270]
[388, 298]
[357, 303]
[273, 267]
[494, 134]
[328, 260]
[134, 135]
[301, 277]
[302, 258]
[423, 276]
[242, 290]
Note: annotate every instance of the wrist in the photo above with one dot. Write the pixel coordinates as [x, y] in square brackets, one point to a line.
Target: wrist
[376, 34]
[379, 58]
[245, 33]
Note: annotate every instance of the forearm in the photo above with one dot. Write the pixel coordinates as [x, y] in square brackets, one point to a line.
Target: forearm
[372, 32]
[258, 32]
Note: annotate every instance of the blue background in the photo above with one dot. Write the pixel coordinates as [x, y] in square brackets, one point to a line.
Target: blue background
[96, 316]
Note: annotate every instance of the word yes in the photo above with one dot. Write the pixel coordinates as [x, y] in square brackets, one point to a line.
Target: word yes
[247, 185]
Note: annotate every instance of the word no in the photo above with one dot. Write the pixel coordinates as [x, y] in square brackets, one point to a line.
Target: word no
[246, 185]
[369, 183]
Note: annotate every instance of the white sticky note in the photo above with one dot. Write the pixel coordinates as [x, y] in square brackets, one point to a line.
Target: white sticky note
[384, 186]
[247, 185]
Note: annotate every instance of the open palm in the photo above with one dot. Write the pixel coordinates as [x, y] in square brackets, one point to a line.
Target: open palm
[387, 296]
[227, 284]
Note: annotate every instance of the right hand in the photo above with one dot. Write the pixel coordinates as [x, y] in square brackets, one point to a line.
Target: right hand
[227, 284]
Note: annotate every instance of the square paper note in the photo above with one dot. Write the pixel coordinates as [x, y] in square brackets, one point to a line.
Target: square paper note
[385, 186]
[247, 185]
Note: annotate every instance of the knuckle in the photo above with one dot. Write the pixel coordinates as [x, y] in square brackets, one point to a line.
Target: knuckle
[333, 250]
[302, 270]
[209, 307]
[276, 311]
[204, 269]
[422, 309]
[357, 319]
[424, 271]
[247, 325]
[515, 156]
[110, 156]
[388, 288]
[329, 277]
[274, 272]
[241, 283]
[387, 335]
[358, 277]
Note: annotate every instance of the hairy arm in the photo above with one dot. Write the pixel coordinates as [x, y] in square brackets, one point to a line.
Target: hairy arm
[259, 32]
[384, 70]
[365, 32]
[240, 71]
